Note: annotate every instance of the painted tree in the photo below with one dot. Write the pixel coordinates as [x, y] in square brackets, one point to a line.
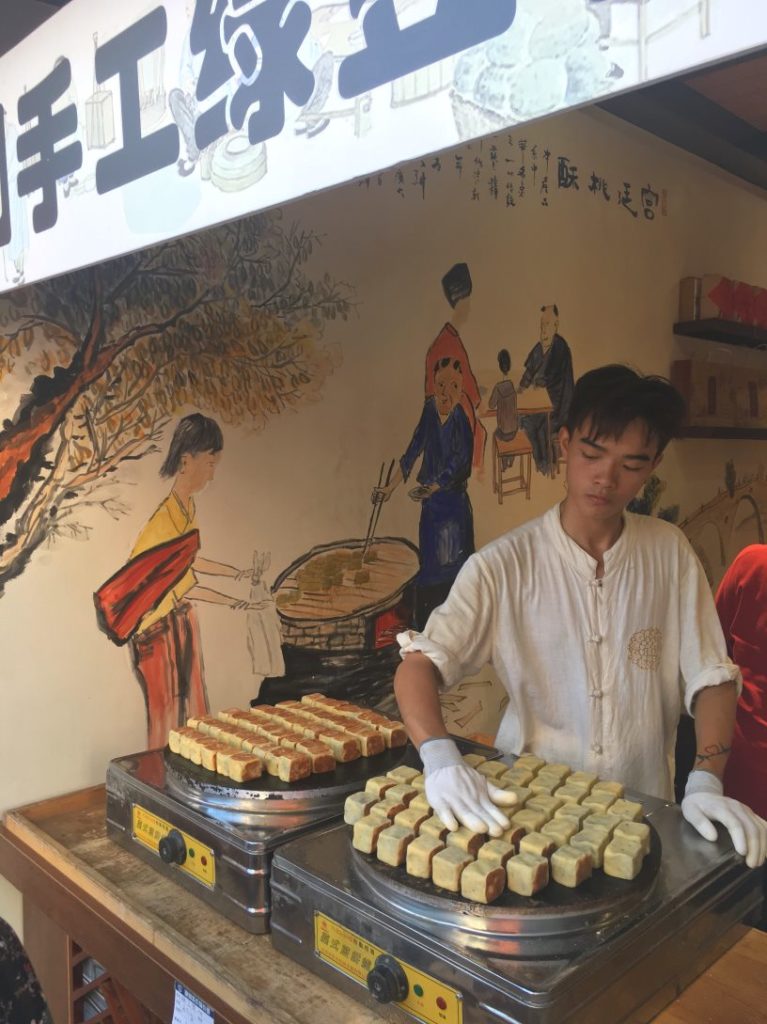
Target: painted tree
[730, 477]
[227, 321]
[646, 502]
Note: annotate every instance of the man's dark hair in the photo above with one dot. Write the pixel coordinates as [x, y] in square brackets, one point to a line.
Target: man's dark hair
[456, 284]
[611, 397]
[504, 361]
[194, 434]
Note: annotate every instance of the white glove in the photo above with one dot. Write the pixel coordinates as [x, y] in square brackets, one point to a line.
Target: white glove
[704, 803]
[458, 793]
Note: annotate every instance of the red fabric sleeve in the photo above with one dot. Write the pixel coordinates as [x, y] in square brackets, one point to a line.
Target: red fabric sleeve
[139, 586]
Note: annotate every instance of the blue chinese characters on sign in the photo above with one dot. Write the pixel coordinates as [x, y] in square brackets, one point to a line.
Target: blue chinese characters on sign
[140, 154]
[5, 199]
[250, 67]
[391, 52]
[252, 45]
[40, 141]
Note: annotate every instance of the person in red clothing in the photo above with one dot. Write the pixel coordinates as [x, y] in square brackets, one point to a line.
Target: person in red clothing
[741, 601]
[457, 287]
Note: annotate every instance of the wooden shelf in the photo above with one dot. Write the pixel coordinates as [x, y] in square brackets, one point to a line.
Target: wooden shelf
[728, 433]
[727, 331]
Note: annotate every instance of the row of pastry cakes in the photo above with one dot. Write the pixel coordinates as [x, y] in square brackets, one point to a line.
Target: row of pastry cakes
[565, 826]
[291, 740]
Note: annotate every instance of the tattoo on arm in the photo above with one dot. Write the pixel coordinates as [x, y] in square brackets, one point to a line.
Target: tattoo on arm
[711, 752]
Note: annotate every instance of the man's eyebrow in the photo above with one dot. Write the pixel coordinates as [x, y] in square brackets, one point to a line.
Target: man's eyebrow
[592, 444]
[639, 457]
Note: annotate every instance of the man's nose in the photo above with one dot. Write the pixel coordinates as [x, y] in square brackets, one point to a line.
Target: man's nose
[607, 475]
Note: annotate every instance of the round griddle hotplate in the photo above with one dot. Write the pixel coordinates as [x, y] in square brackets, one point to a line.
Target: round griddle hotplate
[555, 922]
[318, 796]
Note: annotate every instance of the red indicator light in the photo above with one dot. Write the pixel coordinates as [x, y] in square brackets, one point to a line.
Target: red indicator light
[441, 1003]
[203, 861]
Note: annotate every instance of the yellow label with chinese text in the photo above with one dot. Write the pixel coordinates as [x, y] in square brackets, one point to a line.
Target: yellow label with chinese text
[200, 861]
[427, 1000]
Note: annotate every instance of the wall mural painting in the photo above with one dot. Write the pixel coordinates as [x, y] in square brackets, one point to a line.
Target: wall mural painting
[518, 169]
[734, 518]
[150, 602]
[549, 366]
[102, 361]
[720, 528]
[340, 607]
[450, 440]
[529, 415]
[647, 502]
[464, 705]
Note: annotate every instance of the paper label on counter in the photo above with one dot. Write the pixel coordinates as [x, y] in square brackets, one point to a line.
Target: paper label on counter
[189, 1008]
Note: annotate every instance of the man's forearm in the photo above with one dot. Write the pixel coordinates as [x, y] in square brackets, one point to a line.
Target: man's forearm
[714, 723]
[416, 687]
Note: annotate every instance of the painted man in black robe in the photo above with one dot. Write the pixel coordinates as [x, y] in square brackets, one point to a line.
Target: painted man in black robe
[549, 365]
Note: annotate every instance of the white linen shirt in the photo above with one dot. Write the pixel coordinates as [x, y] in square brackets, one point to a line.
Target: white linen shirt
[596, 670]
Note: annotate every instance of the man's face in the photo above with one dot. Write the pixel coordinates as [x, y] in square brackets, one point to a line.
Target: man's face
[549, 323]
[199, 469]
[604, 474]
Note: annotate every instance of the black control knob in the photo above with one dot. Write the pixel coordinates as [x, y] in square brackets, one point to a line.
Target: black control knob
[387, 982]
[173, 848]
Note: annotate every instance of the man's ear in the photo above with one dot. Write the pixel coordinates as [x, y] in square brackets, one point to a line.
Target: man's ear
[564, 440]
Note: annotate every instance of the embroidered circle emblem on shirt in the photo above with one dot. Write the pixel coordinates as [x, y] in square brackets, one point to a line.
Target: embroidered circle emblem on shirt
[645, 647]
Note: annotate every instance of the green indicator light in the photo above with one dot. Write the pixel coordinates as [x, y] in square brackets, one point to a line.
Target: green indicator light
[418, 990]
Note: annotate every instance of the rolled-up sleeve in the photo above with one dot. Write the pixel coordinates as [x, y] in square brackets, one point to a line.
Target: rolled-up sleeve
[703, 652]
[458, 638]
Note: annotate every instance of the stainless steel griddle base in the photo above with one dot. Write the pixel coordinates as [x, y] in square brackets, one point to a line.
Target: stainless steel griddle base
[624, 969]
[268, 801]
[555, 922]
[237, 826]
[241, 853]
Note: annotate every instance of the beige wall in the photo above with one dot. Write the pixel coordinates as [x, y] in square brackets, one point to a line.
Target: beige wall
[68, 695]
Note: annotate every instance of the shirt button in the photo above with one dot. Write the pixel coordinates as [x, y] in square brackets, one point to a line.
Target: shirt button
[596, 748]
[595, 639]
[596, 693]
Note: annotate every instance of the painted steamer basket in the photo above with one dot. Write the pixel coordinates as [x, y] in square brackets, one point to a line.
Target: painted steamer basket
[340, 610]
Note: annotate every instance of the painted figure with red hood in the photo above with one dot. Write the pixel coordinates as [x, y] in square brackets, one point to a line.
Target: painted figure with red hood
[457, 287]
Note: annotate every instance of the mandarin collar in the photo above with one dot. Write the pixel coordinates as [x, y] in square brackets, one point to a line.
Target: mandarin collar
[582, 562]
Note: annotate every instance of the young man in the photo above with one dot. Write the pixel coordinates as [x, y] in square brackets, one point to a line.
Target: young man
[598, 622]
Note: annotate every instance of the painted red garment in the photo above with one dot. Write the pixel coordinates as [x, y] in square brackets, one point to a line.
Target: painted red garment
[448, 345]
[167, 658]
[141, 584]
[742, 605]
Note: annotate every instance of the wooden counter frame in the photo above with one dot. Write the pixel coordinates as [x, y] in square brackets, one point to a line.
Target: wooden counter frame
[65, 900]
[124, 952]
